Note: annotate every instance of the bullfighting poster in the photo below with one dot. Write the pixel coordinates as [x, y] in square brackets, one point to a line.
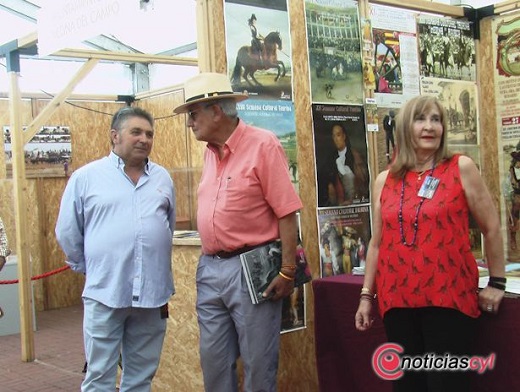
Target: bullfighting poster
[506, 53]
[278, 117]
[258, 46]
[340, 144]
[446, 48]
[460, 99]
[294, 316]
[395, 55]
[343, 239]
[334, 51]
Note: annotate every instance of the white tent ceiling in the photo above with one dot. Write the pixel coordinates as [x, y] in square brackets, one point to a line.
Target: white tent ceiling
[162, 27]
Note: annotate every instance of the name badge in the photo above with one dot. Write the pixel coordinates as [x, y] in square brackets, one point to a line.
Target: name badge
[428, 187]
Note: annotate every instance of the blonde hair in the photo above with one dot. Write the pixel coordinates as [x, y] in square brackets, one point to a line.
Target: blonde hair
[406, 158]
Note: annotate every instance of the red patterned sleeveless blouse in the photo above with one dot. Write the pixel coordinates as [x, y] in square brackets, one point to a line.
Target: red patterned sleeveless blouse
[438, 269]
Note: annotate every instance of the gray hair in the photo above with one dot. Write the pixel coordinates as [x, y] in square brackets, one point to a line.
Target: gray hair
[228, 106]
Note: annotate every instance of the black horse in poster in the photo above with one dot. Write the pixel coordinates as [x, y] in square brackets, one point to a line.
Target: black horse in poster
[251, 62]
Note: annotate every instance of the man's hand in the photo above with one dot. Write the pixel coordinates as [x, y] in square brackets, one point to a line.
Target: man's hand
[279, 288]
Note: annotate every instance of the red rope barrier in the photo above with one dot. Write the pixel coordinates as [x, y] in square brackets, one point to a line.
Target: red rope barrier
[56, 271]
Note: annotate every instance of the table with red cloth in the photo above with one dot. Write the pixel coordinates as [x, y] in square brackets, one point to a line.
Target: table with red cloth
[344, 354]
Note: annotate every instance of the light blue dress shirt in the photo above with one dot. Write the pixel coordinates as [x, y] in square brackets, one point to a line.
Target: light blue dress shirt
[119, 234]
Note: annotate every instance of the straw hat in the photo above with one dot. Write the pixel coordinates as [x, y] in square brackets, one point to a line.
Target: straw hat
[207, 86]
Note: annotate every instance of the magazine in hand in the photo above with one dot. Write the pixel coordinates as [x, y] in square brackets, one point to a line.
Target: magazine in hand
[261, 265]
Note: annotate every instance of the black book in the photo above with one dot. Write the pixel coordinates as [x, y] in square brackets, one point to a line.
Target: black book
[261, 265]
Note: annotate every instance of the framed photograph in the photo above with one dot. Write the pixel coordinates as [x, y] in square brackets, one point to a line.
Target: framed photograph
[47, 154]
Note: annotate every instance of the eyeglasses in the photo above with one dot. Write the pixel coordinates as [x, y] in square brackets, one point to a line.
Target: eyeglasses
[192, 114]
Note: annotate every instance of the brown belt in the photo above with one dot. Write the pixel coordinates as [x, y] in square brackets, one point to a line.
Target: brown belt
[237, 252]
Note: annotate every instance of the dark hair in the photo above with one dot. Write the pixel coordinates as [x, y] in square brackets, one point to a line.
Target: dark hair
[349, 156]
[129, 111]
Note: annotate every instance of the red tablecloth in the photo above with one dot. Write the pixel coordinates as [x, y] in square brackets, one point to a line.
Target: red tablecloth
[343, 354]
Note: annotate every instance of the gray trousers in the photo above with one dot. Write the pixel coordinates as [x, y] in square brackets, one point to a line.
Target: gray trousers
[136, 333]
[231, 327]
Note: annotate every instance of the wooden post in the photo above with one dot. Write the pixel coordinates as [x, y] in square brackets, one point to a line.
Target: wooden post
[205, 46]
[22, 245]
[364, 14]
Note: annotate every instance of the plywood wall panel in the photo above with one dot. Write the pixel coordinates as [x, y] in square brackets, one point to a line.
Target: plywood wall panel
[170, 146]
[179, 369]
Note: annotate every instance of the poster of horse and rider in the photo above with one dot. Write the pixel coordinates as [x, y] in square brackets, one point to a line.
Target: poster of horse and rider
[259, 48]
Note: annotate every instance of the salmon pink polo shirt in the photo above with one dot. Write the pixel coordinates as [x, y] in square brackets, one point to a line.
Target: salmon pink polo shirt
[242, 196]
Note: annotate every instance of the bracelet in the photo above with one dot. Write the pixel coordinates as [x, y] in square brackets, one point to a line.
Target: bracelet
[497, 279]
[366, 290]
[290, 266]
[497, 285]
[285, 276]
[366, 297]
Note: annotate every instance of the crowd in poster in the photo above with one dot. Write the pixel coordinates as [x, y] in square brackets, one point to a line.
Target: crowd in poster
[343, 234]
[506, 51]
[258, 48]
[395, 55]
[446, 48]
[341, 155]
[334, 51]
[47, 154]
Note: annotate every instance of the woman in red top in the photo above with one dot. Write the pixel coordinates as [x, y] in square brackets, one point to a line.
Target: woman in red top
[419, 258]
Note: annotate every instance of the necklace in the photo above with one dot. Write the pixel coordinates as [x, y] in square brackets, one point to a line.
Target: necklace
[417, 210]
[419, 175]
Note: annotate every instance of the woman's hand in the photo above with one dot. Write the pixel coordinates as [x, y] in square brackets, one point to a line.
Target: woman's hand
[363, 316]
[489, 299]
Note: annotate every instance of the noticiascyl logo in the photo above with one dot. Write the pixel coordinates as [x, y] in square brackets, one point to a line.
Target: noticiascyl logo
[389, 363]
[386, 361]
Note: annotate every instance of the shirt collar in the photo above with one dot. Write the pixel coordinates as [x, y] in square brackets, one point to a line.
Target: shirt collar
[118, 162]
[234, 139]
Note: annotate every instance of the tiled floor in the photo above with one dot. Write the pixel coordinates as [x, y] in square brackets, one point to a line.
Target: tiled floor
[58, 344]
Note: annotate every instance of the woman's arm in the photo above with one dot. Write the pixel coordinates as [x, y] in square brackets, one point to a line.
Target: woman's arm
[483, 210]
[363, 318]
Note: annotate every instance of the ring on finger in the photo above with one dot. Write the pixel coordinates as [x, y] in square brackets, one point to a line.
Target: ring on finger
[489, 308]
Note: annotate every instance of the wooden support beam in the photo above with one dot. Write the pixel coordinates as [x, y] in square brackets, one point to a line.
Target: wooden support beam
[40, 120]
[506, 6]
[72, 97]
[205, 46]
[21, 219]
[125, 57]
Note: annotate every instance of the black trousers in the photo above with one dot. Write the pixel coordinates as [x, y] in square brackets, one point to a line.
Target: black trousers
[434, 330]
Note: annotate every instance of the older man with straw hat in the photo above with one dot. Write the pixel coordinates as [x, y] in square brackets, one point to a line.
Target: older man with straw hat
[245, 200]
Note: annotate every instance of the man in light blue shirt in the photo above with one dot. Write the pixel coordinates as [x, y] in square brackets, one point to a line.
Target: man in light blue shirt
[115, 225]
